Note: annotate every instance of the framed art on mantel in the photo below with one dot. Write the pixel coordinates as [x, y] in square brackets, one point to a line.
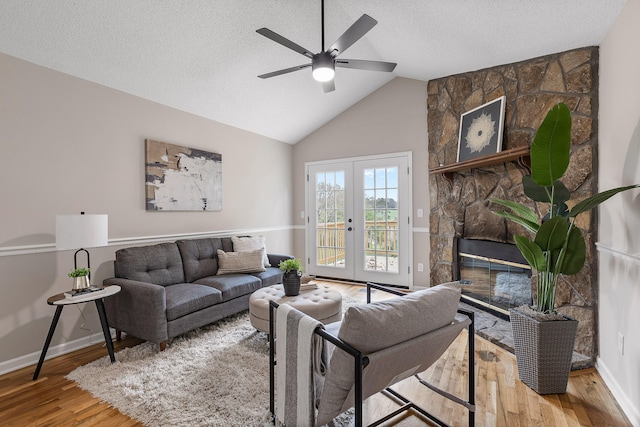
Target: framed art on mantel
[481, 130]
[182, 179]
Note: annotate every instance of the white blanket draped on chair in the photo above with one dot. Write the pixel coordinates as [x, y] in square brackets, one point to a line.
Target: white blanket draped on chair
[299, 356]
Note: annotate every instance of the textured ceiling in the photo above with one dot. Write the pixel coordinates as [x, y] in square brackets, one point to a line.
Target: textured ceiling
[203, 56]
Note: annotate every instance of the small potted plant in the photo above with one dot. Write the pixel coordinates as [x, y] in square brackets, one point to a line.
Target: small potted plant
[292, 273]
[80, 278]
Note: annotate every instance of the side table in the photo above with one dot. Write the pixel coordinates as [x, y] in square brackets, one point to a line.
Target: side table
[60, 300]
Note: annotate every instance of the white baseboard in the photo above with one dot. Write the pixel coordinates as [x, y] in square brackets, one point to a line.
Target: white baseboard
[631, 410]
[54, 351]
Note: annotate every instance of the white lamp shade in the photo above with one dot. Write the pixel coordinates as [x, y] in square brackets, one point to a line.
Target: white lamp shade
[81, 231]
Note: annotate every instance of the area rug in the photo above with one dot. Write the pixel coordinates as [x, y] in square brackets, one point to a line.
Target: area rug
[214, 376]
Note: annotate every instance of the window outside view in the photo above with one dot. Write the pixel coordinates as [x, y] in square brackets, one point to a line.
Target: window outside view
[330, 218]
[381, 219]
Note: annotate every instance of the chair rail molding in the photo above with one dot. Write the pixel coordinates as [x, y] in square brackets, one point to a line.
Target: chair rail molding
[125, 241]
[620, 252]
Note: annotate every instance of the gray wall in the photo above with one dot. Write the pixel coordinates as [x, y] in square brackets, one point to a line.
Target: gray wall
[619, 218]
[70, 145]
[392, 119]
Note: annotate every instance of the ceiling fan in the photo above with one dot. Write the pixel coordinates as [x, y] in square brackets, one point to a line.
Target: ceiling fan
[323, 64]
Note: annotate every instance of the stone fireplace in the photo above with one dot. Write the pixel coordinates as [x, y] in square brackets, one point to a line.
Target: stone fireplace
[460, 206]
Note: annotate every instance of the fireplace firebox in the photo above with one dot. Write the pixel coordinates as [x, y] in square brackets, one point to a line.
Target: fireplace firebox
[494, 276]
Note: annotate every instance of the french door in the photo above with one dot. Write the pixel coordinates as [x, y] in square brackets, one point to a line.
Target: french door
[358, 219]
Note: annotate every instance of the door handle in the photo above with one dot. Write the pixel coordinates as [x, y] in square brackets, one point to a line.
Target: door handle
[349, 229]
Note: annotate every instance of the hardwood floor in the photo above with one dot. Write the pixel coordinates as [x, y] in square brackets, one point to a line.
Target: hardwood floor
[52, 400]
[501, 399]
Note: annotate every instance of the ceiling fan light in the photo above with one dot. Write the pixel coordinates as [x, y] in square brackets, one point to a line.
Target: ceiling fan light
[323, 68]
[323, 74]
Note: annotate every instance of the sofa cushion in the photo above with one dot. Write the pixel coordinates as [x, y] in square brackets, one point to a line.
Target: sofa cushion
[240, 262]
[187, 298]
[159, 264]
[199, 257]
[249, 244]
[232, 285]
[272, 276]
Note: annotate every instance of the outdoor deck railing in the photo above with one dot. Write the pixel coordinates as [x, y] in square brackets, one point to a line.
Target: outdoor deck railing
[379, 237]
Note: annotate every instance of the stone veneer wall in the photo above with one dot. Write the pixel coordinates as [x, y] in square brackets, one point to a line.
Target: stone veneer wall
[461, 208]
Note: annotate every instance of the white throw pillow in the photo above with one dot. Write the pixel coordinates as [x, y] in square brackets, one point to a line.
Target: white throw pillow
[240, 262]
[249, 244]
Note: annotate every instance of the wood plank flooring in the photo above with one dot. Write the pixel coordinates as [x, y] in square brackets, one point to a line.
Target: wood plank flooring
[501, 399]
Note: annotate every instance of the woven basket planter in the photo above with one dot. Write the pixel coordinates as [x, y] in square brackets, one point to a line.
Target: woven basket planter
[543, 351]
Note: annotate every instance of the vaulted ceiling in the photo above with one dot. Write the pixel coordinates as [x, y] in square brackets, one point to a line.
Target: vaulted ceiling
[204, 56]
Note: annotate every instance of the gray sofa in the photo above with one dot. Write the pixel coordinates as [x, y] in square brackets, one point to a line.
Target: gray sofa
[171, 288]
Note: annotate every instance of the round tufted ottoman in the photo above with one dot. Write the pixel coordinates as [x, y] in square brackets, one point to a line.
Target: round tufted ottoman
[322, 304]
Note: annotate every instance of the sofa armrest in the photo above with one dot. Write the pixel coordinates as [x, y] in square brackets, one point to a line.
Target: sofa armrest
[274, 259]
[139, 309]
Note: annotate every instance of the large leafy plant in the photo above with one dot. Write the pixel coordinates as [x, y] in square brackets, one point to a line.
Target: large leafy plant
[558, 246]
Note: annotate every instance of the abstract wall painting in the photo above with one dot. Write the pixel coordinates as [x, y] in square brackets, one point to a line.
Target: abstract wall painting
[182, 179]
[481, 130]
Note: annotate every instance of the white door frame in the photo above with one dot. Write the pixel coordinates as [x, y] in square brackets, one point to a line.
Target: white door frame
[404, 218]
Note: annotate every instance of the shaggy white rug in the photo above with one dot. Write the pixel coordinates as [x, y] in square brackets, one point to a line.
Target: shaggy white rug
[214, 376]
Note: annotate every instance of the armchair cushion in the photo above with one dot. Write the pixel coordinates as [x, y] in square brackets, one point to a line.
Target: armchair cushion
[372, 327]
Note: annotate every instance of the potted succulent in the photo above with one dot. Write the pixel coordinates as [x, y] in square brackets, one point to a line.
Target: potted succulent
[80, 278]
[292, 273]
[557, 247]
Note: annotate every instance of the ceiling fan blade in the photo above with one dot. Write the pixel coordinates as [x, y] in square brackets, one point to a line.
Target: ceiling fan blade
[366, 65]
[285, 71]
[329, 86]
[284, 42]
[352, 35]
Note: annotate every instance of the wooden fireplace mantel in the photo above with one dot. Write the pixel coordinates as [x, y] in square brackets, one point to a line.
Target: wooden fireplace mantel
[521, 154]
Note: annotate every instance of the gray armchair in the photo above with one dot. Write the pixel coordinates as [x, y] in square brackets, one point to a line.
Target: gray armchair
[376, 346]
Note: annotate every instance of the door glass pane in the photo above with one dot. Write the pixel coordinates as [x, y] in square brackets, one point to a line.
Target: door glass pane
[330, 214]
[381, 219]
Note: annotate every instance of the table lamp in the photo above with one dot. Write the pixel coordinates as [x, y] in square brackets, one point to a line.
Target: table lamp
[80, 232]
